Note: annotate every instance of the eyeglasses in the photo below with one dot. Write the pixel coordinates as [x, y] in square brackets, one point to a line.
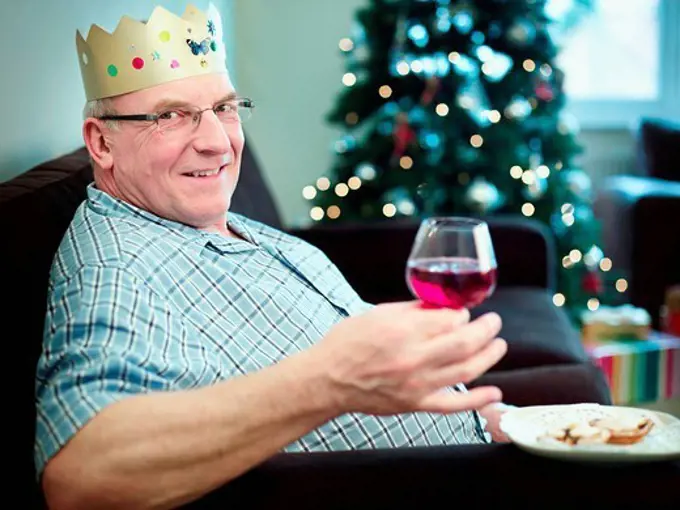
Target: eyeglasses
[187, 118]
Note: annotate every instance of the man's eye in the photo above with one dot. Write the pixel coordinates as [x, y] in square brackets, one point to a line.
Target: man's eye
[171, 115]
[224, 108]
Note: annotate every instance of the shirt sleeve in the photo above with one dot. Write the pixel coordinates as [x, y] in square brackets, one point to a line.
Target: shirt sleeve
[106, 336]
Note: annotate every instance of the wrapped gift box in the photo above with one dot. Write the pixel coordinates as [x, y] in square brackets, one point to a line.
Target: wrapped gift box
[640, 370]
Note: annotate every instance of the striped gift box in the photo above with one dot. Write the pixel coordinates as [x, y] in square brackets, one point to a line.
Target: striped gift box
[640, 370]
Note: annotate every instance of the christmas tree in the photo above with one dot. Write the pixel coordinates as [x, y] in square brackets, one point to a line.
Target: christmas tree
[457, 107]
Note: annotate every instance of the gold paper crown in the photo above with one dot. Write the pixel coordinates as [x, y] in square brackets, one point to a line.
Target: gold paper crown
[140, 55]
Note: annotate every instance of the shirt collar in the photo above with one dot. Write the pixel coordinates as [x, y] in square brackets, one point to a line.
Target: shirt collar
[108, 205]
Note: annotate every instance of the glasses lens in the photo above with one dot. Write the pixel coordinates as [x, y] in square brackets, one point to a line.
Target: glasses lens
[172, 120]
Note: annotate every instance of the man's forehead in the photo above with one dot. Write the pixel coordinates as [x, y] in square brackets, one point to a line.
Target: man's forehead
[196, 90]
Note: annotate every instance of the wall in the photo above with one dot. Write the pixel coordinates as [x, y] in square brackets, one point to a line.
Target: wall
[288, 61]
[41, 95]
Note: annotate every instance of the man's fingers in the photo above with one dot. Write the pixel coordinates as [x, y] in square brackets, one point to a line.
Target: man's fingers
[470, 369]
[454, 402]
[462, 343]
[438, 321]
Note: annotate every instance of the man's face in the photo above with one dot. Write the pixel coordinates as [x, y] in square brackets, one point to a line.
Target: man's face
[153, 169]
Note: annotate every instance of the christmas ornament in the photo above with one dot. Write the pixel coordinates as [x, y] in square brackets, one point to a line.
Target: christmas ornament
[522, 32]
[482, 196]
[418, 34]
[544, 91]
[592, 283]
[593, 257]
[432, 86]
[403, 135]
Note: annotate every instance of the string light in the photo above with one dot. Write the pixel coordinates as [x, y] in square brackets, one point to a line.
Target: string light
[543, 172]
[354, 183]
[351, 118]
[567, 262]
[568, 220]
[593, 304]
[567, 208]
[529, 65]
[529, 177]
[494, 116]
[309, 192]
[559, 299]
[323, 183]
[316, 213]
[558, 165]
[575, 256]
[349, 79]
[389, 210]
[341, 189]
[621, 285]
[403, 68]
[528, 209]
[417, 66]
[546, 70]
[606, 264]
[516, 172]
[476, 141]
[454, 57]
[442, 110]
[385, 91]
[346, 44]
[333, 212]
[406, 162]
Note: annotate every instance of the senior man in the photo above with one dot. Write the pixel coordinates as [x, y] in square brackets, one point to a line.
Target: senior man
[185, 344]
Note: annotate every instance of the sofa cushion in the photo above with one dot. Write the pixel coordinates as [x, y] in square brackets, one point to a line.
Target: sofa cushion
[536, 331]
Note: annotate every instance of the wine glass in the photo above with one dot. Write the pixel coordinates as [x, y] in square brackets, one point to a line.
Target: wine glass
[452, 263]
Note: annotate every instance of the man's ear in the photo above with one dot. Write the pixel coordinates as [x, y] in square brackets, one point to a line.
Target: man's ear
[97, 143]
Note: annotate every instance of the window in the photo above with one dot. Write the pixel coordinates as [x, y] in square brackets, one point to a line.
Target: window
[622, 62]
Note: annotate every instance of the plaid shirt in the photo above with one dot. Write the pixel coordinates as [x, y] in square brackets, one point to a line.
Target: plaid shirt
[139, 303]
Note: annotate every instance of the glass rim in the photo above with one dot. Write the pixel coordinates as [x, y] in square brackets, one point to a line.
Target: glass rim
[455, 221]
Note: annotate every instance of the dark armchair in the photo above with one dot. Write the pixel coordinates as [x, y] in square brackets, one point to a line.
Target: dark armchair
[640, 216]
[546, 363]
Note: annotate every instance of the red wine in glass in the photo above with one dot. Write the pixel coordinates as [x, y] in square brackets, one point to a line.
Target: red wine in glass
[452, 282]
[452, 263]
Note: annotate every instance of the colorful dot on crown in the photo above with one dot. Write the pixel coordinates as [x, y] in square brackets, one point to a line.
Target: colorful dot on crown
[164, 36]
[213, 45]
[174, 64]
[204, 63]
[137, 63]
[112, 70]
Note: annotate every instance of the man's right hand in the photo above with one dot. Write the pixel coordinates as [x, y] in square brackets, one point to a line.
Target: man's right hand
[401, 357]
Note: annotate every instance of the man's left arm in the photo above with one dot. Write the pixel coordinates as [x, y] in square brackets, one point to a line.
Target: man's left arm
[492, 413]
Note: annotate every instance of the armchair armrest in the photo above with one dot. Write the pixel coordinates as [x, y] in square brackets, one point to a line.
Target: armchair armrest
[464, 476]
[642, 234]
[373, 256]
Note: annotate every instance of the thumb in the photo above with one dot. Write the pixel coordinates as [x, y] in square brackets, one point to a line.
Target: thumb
[454, 402]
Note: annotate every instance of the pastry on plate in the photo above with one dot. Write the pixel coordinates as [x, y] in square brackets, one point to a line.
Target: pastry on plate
[624, 429]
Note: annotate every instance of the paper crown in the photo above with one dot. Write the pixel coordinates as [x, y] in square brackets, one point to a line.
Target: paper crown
[139, 55]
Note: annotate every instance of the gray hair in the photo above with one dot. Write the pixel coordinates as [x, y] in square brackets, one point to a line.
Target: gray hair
[98, 108]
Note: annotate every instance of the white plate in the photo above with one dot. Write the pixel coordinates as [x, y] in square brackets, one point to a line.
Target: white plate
[525, 425]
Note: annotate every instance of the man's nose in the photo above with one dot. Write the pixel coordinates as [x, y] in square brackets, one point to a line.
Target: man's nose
[211, 134]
